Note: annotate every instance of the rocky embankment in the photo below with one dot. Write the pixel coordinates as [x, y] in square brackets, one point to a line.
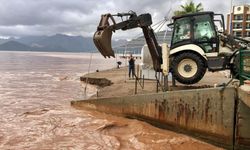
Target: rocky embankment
[101, 82]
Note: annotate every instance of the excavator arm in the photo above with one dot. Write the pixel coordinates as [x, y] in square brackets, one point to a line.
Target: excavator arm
[108, 25]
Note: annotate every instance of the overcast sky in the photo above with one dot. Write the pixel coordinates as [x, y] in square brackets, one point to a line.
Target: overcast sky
[80, 17]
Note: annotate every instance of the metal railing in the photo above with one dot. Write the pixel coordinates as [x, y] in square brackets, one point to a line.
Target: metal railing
[244, 65]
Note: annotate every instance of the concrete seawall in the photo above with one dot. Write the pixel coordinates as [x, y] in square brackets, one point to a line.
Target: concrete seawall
[242, 125]
[212, 114]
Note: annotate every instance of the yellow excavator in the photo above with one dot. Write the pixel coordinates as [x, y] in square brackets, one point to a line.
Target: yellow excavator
[197, 43]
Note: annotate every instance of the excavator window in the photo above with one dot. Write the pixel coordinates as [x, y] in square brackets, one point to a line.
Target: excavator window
[203, 28]
[182, 30]
[204, 32]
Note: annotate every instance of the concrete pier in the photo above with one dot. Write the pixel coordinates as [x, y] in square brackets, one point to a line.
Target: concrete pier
[217, 115]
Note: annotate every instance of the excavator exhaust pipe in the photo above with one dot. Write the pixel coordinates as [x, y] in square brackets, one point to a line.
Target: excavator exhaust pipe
[103, 35]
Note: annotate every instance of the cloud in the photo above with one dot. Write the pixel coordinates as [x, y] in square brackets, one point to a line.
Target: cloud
[80, 17]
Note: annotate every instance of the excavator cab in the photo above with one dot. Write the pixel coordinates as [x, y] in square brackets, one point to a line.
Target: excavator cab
[196, 28]
[102, 37]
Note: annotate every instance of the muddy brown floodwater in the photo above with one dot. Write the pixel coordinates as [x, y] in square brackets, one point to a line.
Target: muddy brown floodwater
[35, 113]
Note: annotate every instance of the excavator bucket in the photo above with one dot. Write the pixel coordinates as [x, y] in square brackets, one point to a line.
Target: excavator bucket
[102, 37]
[102, 40]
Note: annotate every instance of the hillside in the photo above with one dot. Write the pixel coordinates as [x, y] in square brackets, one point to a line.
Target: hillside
[55, 43]
[14, 45]
[69, 43]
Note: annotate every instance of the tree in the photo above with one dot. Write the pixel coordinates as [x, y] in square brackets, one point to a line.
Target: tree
[189, 7]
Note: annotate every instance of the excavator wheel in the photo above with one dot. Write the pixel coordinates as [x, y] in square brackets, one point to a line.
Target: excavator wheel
[188, 68]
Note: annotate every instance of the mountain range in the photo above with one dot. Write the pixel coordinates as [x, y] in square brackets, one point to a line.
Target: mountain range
[55, 43]
[66, 43]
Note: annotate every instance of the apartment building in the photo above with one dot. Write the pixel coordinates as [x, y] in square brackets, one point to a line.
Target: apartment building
[240, 21]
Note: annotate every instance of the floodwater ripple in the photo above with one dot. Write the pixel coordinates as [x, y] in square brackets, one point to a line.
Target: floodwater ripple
[35, 113]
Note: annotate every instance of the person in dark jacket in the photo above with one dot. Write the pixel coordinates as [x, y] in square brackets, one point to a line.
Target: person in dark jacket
[131, 66]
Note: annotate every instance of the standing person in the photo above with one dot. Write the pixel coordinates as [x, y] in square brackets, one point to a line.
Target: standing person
[131, 66]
